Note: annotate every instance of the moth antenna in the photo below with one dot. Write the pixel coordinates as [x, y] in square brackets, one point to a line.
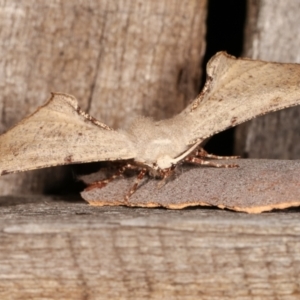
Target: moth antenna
[199, 161]
[201, 153]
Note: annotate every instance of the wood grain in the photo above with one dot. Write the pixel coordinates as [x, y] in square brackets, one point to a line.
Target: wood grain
[272, 34]
[54, 248]
[119, 58]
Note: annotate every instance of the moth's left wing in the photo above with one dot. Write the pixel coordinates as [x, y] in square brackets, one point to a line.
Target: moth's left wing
[60, 133]
[238, 90]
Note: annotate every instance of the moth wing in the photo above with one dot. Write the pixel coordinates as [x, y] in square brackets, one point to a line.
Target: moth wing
[60, 133]
[238, 90]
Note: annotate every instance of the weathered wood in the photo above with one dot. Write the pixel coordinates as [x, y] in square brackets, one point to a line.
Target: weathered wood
[272, 34]
[52, 248]
[119, 59]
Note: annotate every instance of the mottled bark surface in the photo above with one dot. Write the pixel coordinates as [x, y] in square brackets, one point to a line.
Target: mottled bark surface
[119, 59]
[257, 185]
[273, 35]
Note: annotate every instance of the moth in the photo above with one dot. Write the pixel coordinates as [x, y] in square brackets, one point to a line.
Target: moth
[236, 90]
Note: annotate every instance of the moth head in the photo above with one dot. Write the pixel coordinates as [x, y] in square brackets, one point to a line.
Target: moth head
[165, 161]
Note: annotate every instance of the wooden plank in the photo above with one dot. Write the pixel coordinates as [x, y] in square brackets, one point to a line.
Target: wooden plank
[55, 248]
[272, 34]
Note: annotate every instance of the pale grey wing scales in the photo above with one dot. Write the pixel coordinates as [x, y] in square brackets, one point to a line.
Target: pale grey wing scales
[60, 133]
[238, 90]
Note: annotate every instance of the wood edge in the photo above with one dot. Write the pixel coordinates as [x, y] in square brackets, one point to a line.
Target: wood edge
[149, 204]
[249, 210]
[260, 209]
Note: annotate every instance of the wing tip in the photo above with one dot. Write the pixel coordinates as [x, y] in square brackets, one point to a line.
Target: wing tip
[216, 59]
[70, 99]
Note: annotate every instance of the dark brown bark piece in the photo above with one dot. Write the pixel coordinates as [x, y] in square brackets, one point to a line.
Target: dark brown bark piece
[254, 187]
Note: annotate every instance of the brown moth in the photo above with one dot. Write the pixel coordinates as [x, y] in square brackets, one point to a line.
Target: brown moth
[236, 90]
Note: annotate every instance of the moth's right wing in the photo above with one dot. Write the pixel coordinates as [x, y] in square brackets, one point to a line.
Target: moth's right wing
[238, 90]
[60, 133]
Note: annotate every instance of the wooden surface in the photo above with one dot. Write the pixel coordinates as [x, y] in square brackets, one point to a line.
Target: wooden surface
[54, 248]
[272, 34]
[119, 59]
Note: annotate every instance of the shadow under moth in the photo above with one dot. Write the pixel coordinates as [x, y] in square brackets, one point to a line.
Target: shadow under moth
[236, 90]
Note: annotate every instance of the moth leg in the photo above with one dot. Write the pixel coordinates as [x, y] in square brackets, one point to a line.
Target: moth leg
[165, 175]
[203, 154]
[136, 183]
[102, 183]
[200, 161]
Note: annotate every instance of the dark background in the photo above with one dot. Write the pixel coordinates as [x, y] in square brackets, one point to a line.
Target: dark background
[225, 32]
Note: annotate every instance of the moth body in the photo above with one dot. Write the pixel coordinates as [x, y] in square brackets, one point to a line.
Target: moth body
[158, 144]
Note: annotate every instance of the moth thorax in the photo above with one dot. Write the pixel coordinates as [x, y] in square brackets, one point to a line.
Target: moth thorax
[165, 162]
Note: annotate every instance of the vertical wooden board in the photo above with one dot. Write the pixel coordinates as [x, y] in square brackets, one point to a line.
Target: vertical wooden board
[273, 35]
[119, 59]
[150, 59]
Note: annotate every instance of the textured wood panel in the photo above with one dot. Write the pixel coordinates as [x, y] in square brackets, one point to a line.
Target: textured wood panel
[272, 34]
[119, 59]
[55, 249]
